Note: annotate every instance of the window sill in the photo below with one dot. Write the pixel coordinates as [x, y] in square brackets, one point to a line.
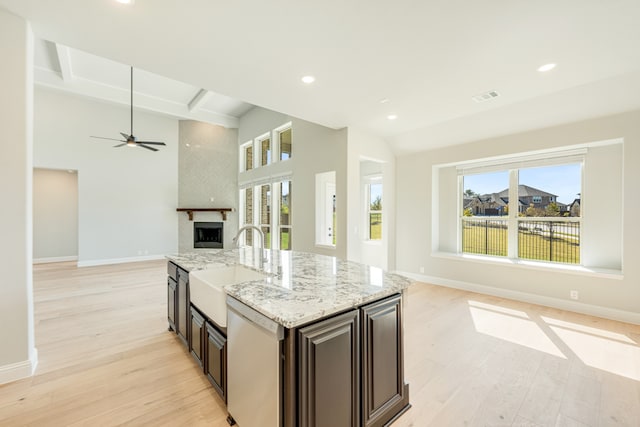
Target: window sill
[324, 246]
[534, 265]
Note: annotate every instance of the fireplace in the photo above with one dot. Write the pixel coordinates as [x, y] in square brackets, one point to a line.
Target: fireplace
[207, 234]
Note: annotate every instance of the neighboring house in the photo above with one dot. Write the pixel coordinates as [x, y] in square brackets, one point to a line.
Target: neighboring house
[496, 204]
[574, 208]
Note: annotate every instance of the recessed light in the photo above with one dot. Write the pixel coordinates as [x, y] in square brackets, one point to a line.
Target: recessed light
[546, 67]
[125, 1]
[392, 116]
[308, 79]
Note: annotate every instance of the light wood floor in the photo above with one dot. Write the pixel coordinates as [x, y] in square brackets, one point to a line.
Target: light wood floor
[106, 358]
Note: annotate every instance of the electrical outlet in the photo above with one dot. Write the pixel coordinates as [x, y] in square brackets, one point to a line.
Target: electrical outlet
[422, 270]
[573, 294]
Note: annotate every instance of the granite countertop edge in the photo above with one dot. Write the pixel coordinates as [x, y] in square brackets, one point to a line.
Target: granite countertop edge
[299, 287]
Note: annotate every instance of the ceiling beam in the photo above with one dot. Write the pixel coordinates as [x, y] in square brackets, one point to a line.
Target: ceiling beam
[199, 99]
[91, 89]
[64, 61]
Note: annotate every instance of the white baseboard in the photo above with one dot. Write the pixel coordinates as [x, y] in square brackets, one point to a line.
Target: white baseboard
[55, 259]
[94, 262]
[20, 370]
[578, 307]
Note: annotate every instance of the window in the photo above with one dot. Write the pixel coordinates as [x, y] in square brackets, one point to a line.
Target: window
[265, 214]
[374, 209]
[529, 211]
[285, 215]
[246, 156]
[284, 144]
[264, 196]
[246, 213]
[261, 152]
[264, 144]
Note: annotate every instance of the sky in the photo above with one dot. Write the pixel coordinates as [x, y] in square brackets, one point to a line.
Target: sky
[564, 181]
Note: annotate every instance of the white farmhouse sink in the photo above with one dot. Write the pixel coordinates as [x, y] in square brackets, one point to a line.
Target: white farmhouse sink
[207, 289]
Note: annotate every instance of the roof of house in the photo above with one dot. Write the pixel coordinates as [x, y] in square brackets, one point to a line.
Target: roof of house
[526, 191]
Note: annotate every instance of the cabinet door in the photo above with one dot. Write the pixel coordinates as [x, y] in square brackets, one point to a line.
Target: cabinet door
[196, 333]
[384, 394]
[172, 288]
[216, 360]
[183, 305]
[330, 372]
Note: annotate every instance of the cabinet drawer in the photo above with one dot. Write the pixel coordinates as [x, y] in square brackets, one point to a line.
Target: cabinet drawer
[172, 271]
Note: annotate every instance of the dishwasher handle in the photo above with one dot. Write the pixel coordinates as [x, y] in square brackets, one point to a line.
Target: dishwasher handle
[270, 326]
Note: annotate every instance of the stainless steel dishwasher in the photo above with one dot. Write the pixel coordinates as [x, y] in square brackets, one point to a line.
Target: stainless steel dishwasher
[253, 366]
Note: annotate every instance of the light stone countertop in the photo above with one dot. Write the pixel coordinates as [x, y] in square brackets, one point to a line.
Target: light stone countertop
[300, 287]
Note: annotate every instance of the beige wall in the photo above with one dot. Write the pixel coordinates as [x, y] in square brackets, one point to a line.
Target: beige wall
[612, 179]
[18, 356]
[208, 168]
[55, 215]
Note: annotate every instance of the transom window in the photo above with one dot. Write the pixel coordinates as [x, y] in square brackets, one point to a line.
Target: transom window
[273, 146]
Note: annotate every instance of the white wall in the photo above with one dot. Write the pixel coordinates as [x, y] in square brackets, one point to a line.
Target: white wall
[55, 215]
[366, 147]
[127, 197]
[18, 356]
[315, 149]
[614, 296]
[208, 167]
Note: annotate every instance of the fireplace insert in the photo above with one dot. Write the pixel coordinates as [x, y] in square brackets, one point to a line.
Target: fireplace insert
[208, 234]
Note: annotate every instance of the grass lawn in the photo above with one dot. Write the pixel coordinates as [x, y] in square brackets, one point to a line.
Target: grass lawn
[284, 240]
[375, 226]
[534, 246]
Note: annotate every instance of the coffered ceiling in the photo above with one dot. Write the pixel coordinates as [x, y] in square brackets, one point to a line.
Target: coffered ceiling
[422, 61]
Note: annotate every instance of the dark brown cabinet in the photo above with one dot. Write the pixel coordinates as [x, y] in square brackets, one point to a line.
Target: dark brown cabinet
[182, 304]
[207, 343]
[329, 376]
[384, 394]
[351, 370]
[178, 300]
[196, 334]
[172, 296]
[215, 362]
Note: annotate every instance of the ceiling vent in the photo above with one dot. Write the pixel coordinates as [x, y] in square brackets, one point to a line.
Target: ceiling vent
[486, 96]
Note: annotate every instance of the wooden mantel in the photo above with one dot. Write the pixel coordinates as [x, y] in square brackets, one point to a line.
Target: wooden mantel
[190, 211]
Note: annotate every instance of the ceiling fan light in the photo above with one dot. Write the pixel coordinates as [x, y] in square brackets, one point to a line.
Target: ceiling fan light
[131, 144]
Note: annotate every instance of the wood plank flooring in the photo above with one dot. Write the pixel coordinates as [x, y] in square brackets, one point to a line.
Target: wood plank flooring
[106, 359]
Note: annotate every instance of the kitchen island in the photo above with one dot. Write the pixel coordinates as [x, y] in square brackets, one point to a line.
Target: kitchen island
[337, 329]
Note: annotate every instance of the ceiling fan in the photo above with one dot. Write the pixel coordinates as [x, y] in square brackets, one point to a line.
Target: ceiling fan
[131, 140]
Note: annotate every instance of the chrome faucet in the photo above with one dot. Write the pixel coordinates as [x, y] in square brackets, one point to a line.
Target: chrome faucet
[246, 227]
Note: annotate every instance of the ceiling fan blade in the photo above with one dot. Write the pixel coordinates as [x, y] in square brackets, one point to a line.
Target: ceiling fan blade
[124, 135]
[120, 145]
[110, 139]
[151, 143]
[146, 146]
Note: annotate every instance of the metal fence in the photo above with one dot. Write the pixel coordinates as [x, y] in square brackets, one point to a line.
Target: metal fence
[556, 240]
[485, 236]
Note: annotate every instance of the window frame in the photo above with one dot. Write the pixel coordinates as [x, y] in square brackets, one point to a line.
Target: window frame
[370, 180]
[277, 147]
[513, 219]
[243, 156]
